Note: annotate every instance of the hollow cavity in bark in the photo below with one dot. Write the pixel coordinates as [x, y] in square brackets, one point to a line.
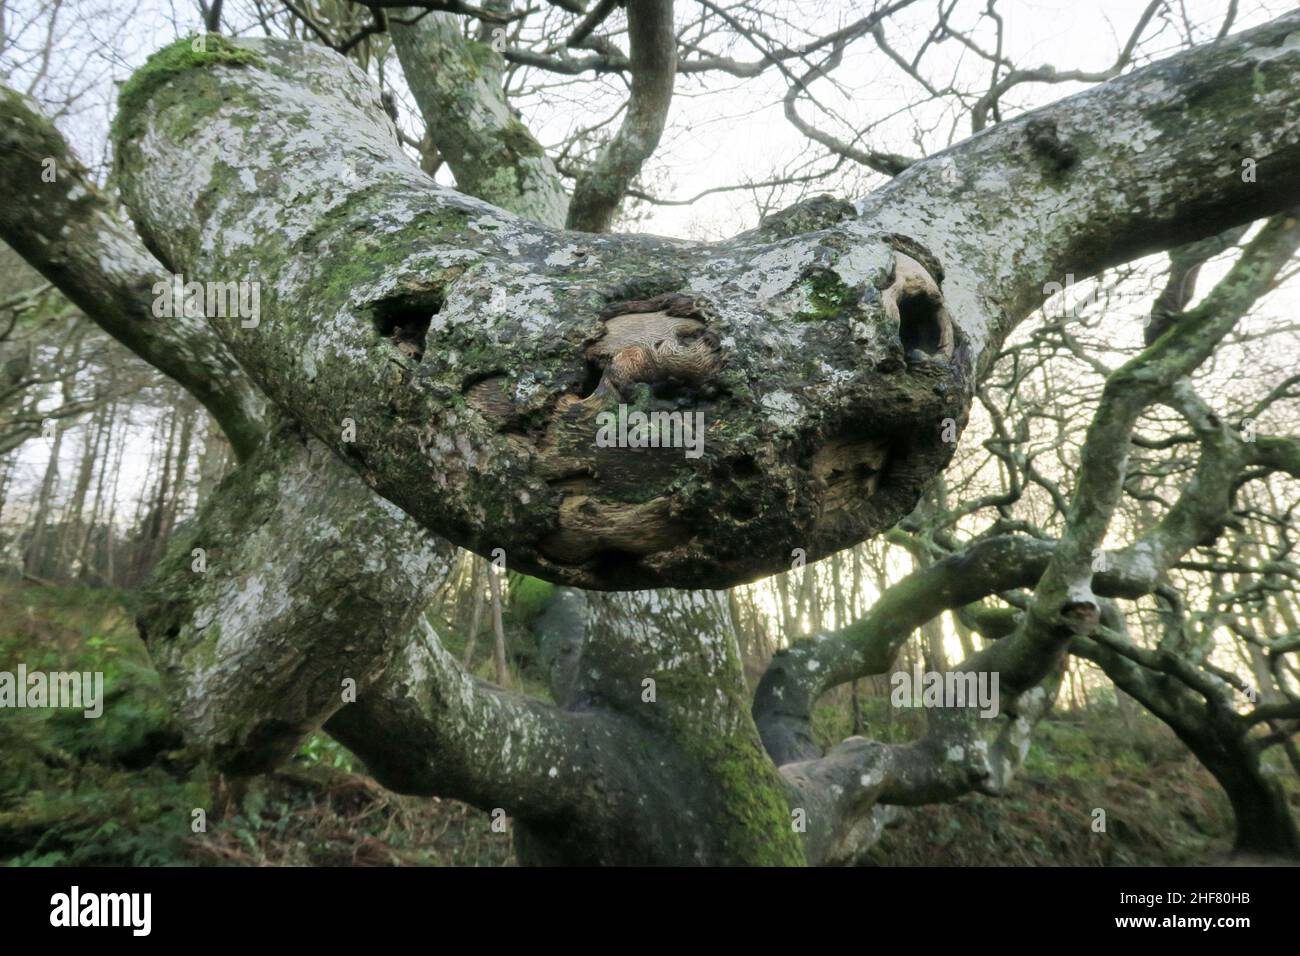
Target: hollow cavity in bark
[479, 355]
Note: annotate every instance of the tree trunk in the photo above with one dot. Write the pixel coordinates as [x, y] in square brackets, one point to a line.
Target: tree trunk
[33, 562]
[176, 498]
[84, 555]
[476, 614]
[71, 529]
[109, 570]
[1264, 826]
[498, 629]
[1220, 740]
[669, 663]
[516, 338]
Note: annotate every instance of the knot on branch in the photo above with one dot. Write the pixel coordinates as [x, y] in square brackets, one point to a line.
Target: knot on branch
[914, 301]
[1081, 617]
[662, 341]
[1045, 142]
[819, 212]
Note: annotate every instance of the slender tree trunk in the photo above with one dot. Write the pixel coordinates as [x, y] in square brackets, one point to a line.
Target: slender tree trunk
[803, 597]
[71, 529]
[6, 472]
[36, 550]
[789, 627]
[498, 629]
[1221, 741]
[856, 592]
[1262, 817]
[109, 569]
[84, 550]
[476, 614]
[155, 516]
[936, 659]
[815, 601]
[176, 499]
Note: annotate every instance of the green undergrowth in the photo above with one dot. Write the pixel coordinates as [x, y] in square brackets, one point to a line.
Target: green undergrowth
[1162, 808]
[122, 789]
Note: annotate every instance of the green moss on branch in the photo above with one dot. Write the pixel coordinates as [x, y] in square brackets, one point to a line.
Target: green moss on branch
[188, 53]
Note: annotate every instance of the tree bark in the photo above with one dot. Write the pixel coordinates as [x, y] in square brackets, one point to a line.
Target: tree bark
[498, 630]
[653, 53]
[457, 85]
[33, 560]
[66, 230]
[1202, 719]
[286, 584]
[822, 428]
[506, 366]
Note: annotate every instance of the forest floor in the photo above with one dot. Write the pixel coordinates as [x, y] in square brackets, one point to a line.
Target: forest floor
[122, 789]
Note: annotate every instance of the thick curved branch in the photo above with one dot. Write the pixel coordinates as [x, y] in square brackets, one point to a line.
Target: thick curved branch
[284, 596]
[1065, 189]
[499, 413]
[637, 767]
[856, 787]
[429, 728]
[480, 351]
[798, 675]
[1197, 706]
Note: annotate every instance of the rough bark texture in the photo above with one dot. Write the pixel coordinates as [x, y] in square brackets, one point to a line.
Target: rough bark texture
[304, 582]
[471, 352]
[252, 650]
[456, 83]
[488, 438]
[1030, 646]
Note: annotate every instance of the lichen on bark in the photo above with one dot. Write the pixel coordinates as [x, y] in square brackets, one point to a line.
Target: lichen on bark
[466, 429]
[513, 307]
[518, 306]
[259, 646]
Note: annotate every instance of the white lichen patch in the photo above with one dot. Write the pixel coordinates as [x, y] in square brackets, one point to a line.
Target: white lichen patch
[783, 409]
[864, 264]
[498, 295]
[572, 256]
[1289, 47]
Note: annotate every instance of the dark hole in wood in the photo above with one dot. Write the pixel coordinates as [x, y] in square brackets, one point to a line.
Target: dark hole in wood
[613, 561]
[919, 326]
[404, 319]
[591, 380]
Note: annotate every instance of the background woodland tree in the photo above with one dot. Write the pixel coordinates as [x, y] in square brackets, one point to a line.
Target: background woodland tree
[1083, 290]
